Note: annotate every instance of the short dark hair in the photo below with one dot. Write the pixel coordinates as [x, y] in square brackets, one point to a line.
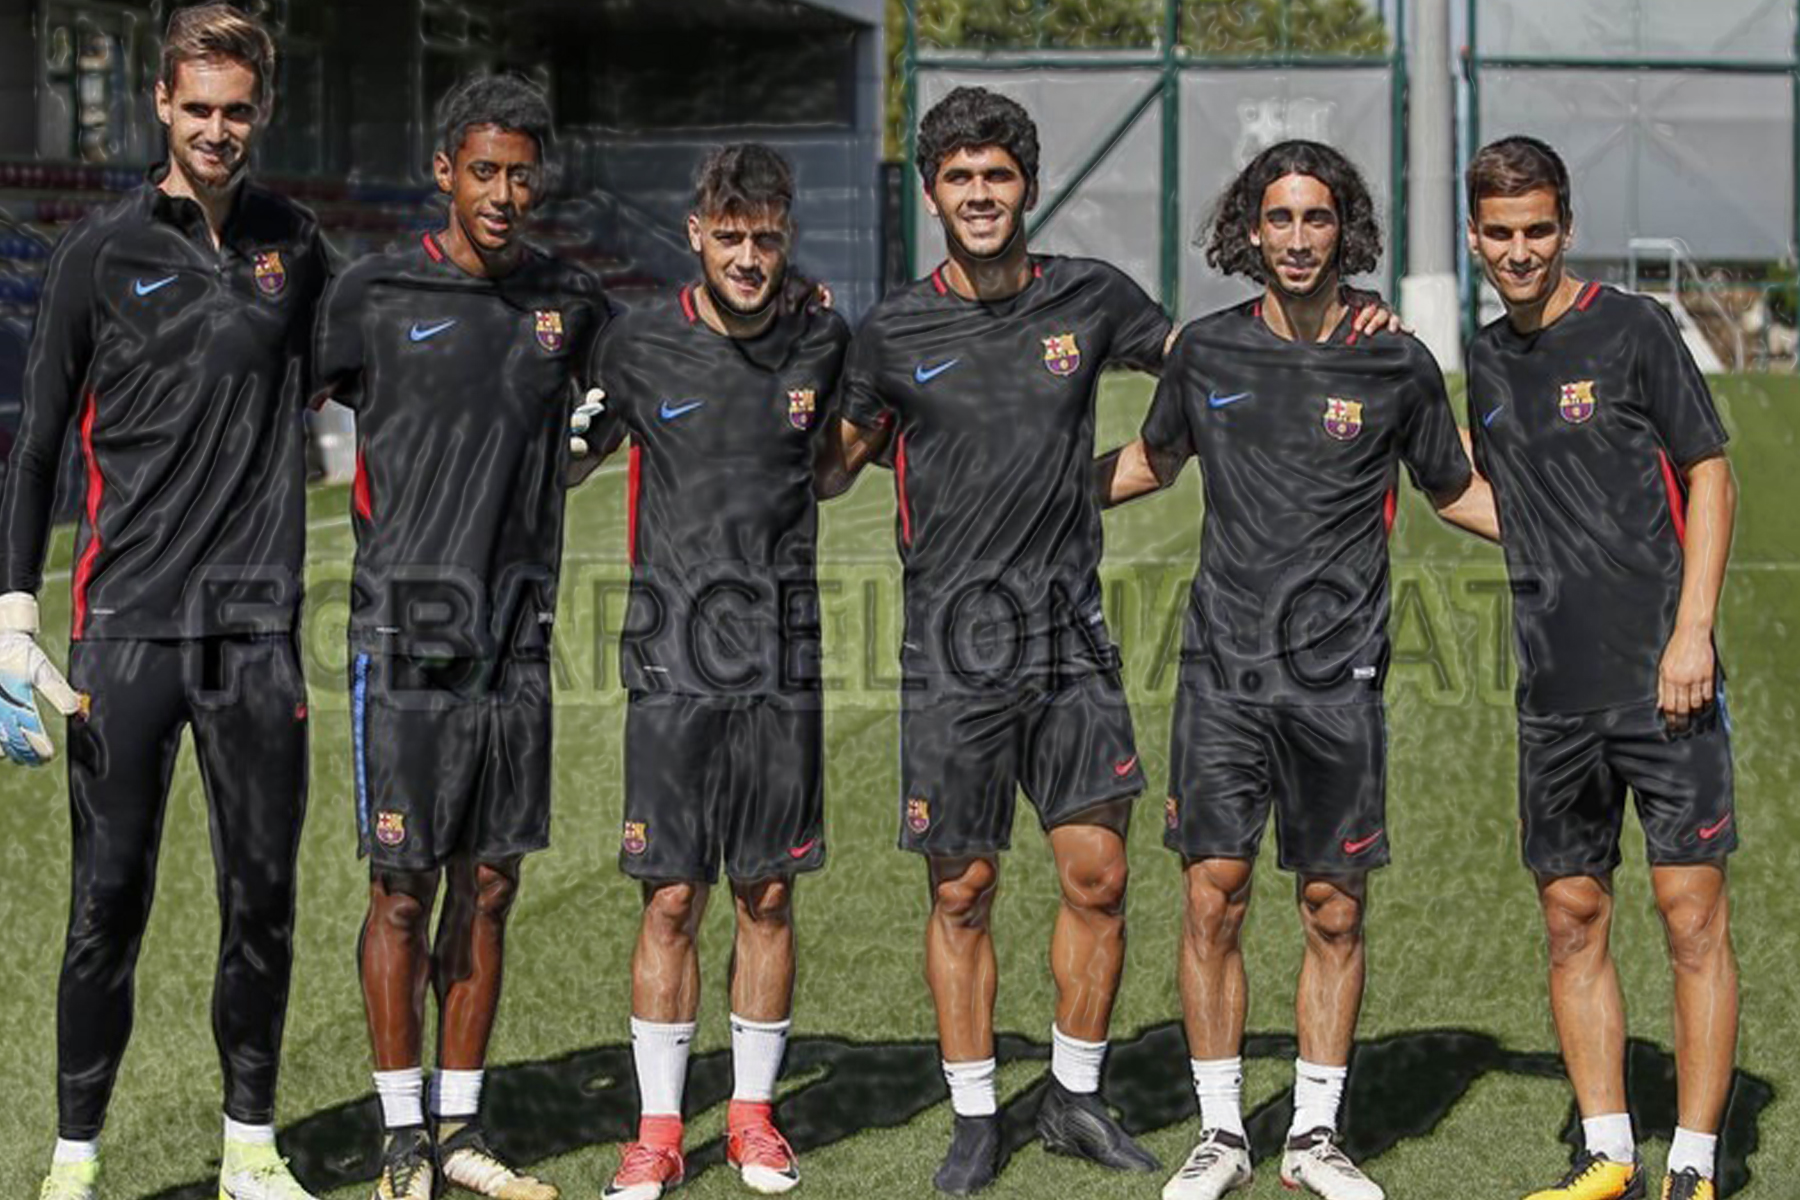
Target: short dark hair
[1239, 210]
[207, 31]
[508, 101]
[744, 179]
[974, 116]
[1516, 165]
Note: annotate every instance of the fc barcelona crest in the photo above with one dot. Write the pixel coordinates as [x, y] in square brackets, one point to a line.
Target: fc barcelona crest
[1061, 355]
[390, 828]
[801, 402]
[549, 329]
[1343, 418]
[918, 814]
[637, 837]
[1576, 404]
[271, 275]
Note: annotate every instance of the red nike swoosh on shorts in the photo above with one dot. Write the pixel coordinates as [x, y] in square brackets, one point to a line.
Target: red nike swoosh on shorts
[1709, 832]
[1357, 847]
[803, 849]
[1122, 769]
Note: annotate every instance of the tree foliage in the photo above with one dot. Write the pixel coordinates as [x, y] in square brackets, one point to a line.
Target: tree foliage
[1209, 28]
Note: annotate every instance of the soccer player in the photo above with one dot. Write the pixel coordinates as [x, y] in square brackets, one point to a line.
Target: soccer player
[460, 353]
[172, 337]
[723, 388]
[1616, 502]
[983, 375]
[1300, 425]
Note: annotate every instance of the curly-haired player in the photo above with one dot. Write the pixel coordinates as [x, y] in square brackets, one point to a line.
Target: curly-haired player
[1300, 425]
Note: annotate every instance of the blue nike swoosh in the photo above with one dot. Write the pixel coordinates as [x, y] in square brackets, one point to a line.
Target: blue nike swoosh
[1489, 417]
[669, 413]
[1214, 400]
[144, 289]
[925, 374]
[418, 335]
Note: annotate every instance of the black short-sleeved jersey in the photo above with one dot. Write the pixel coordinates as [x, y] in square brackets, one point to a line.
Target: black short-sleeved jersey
[993, 409]
[723, 524]
[181, 366]
[1583, 428]
[462, 388]
[1300, 446]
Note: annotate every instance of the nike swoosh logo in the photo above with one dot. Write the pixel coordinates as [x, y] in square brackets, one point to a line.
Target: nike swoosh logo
[1492, 415]
[803, 849]
[144, 289]
[1357, 847]
[1124, 768]
[419, 333]
[669, 412]
[925, 374]
[1709, 832]
[1214, 400]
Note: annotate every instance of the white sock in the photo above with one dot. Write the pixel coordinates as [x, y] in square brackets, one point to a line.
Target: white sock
[402, 1097]
[1610, 1135]
[456, 1094]
[972, 1087]
[254, 1135]
[1219, 1086]
[661, 1053]
[756, 1051]
[1317, 1091]
[1692, 1151]
[75, 1152]
[1074, 1063]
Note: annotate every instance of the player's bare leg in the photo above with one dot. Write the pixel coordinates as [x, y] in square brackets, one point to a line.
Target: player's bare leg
[1589, 1011]
[1585, 1000]
[1694, 903]
[1087, 957]
[962, 974]
[762, 997]
[665, 1002]
[1214, 994]
[1326, 1006]
[467, 969]
[395, 958]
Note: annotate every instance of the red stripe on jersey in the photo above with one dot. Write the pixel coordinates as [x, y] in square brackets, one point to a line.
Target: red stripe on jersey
[634, 482]
[1389, 509]
[1587, 296]
[687, 305]
[431, 247]
[362, 500]
[937, 280]
[1677, 495]
[96, 488]
[1037, 270]
[1351, 340]
[900, 491]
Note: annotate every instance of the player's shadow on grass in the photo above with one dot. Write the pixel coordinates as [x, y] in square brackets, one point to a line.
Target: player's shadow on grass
[1401, 1087]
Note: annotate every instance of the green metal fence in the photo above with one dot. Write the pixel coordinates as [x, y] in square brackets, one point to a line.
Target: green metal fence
[1169, 58]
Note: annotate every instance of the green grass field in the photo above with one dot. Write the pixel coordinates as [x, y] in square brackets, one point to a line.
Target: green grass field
[1456, 1092]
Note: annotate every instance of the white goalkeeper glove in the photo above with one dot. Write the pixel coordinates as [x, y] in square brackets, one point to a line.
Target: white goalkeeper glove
[591, 406]
[25, 673]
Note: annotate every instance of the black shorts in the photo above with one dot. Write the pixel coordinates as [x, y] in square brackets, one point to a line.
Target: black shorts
[1323, 767]
[1574, 770]
[738, 780]
[452, 758]
[965, 755]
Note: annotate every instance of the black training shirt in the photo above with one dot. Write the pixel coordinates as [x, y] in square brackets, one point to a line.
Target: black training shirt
[992, 405]
[462, 388]
[723, 523]
[1583, 428]
[1300, 446]
[180, 366]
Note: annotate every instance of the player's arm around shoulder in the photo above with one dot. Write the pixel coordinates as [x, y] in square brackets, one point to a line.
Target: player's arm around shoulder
[859, 423]
[1437, 452]
[597, 425]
